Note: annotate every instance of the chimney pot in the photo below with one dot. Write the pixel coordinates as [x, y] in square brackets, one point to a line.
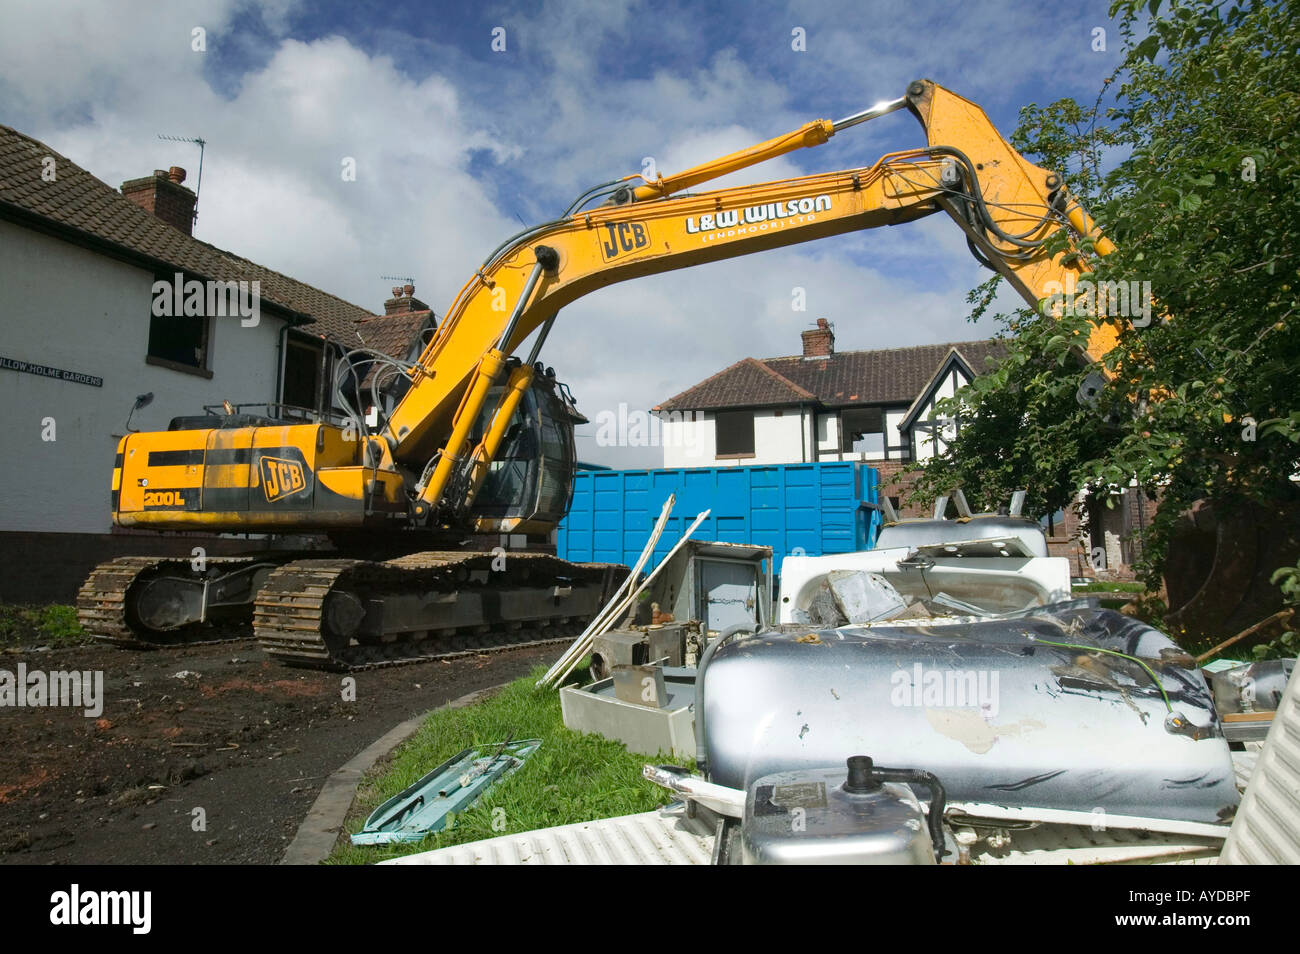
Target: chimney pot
[397, 291]
[408, 290]
[176, 174]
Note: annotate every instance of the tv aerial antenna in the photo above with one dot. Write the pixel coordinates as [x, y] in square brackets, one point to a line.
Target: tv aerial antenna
[199, 184]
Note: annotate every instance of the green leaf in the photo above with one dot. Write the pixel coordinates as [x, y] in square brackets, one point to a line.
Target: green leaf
[1149, 47]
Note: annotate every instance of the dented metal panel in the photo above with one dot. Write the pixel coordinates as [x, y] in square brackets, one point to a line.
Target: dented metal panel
[989, 706]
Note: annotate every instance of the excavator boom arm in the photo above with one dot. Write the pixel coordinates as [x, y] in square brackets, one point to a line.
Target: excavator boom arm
[1007, 206]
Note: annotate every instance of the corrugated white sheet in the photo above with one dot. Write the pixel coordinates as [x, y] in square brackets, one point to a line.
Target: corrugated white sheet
[1267, 827]
[646, 839]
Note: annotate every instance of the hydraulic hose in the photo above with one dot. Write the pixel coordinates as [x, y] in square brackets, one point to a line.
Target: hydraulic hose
[976, 196]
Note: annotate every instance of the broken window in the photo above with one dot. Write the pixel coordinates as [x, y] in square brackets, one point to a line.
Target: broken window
[302, 363]
[179, 340]
[734, 432]
[862, 429]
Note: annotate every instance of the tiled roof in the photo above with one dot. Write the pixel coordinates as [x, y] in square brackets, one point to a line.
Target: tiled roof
[847, 378]
[391, 334]
[77, 201]
[747, 383]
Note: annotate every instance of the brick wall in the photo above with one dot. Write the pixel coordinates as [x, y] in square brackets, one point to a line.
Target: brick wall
[162, 194]
[906, 473]
[1068, 539]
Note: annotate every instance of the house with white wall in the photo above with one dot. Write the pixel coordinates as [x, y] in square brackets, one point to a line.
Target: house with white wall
[821, 405]
[86, 334]
[875, 406]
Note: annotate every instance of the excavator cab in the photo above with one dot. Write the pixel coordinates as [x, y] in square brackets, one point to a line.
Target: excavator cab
[530, 482]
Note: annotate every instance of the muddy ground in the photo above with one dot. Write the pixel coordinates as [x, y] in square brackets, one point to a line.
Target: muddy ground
[218, 728]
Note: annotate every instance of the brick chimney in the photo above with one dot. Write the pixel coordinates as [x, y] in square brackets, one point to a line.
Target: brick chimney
[820, 341]
[162, 194]
[403, 301]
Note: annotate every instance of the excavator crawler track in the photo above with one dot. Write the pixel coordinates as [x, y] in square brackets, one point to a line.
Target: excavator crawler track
[104, 605]
[286, 615]
[356, 614]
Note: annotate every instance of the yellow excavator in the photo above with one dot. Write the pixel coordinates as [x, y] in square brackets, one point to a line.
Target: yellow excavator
[470, 440]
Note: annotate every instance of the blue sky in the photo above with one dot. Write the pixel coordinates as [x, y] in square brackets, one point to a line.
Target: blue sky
[456, 143]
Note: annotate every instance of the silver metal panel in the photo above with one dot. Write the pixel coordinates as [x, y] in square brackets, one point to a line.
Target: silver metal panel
[670, 730]
[806, 818]
[728, 593]
[679, 588]
[995, 584]
[1267, 827]
[1011, 721]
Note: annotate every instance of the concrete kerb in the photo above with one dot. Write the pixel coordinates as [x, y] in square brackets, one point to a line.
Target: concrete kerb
[319, 831]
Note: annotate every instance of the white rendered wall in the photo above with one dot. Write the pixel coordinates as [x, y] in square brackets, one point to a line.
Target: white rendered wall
[69, 308]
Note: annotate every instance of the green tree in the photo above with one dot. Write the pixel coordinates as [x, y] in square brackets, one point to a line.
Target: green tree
[1204, 401]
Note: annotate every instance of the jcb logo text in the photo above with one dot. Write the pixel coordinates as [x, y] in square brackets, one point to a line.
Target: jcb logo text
[280, 478]
[623, 237]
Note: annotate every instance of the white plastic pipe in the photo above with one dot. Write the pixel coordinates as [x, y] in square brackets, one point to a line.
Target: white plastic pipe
[592, 628]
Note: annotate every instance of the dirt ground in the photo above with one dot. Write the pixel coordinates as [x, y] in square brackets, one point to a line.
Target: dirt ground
[216, 728]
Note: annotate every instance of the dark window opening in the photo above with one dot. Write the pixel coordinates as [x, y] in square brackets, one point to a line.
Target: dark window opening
[179, 339]
[301, 374]
[734, 433]
[862, 429]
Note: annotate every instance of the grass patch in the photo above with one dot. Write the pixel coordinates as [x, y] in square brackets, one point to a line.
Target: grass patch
[1104, 587]
[571, 778]
[53, 625]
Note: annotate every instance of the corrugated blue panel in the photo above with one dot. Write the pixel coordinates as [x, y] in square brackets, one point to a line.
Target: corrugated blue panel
[809, 508]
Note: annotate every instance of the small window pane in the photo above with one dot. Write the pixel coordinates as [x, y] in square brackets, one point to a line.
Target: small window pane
[181, 338]
[862, 424]
[735, 432]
